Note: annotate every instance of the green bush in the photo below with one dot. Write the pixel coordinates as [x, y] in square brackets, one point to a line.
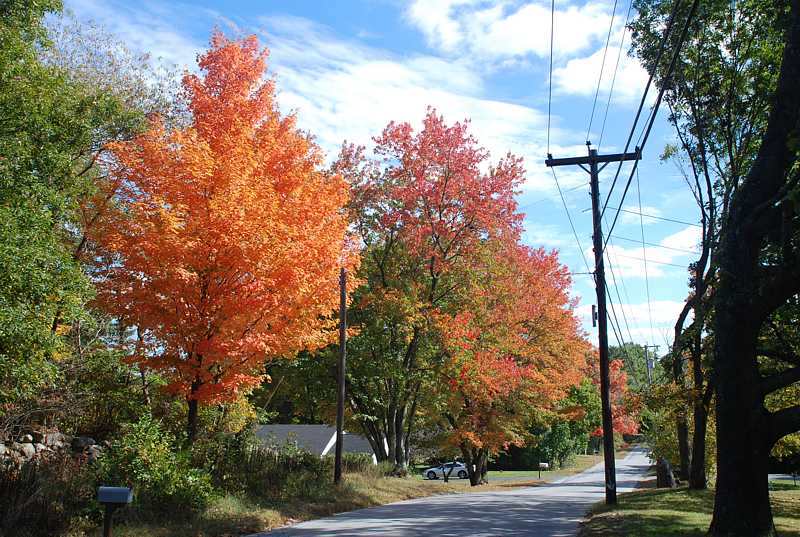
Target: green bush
[162, 479]
[242, 464]
[355, 462]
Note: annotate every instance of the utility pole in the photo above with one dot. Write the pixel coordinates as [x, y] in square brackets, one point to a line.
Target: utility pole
[648, 363]
[337, 465]
[592, 160]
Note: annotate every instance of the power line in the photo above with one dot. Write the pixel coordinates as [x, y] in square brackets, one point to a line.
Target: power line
[616, 289]
[550, 89]
[614, 78]
[661, 48]
[644, 253]
[567, 191]
[569, 217]
[651, 261]
[622, 281]
[663, 88]
[665, 219]
[613, 327]
[637, 241]
[602, 67]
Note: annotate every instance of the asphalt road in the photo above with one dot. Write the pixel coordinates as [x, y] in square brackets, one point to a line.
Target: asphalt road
[552, 510]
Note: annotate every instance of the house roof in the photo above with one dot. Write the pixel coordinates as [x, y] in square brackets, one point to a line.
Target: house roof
[317, 439]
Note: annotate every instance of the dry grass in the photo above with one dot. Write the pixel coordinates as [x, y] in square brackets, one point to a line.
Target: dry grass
[231, 516]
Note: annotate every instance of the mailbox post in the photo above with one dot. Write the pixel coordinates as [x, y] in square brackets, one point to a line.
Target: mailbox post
[111, 498]
[543, 466]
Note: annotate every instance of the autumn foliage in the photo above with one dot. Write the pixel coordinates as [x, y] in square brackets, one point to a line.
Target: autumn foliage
[452, 294]
[514, 348]
[227, 241]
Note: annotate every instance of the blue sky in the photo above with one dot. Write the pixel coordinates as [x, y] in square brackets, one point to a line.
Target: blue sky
[349, 67]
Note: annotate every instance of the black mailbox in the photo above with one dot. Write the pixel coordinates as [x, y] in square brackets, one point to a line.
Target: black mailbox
[111, 498]
[114, 495]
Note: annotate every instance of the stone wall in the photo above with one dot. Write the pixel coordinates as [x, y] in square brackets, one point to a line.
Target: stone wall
[36, 444]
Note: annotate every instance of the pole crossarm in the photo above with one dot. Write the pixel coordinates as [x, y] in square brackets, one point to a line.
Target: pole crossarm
[599, 159]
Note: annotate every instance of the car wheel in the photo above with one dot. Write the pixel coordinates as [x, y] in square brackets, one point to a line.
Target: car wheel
[462, 474]
[431, 475]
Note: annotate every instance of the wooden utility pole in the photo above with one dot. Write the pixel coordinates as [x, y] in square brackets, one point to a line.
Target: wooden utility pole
[648, 364]
[592, 160]
[337, 466]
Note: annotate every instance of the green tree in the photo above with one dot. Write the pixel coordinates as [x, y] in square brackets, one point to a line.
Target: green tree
[55, 121]
[739, 101]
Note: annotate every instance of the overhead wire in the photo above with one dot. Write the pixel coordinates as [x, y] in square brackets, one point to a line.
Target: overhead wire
[656, 62]
[602, 67]
[654, 245]
[663, 218]
[616, 70]
[550, 79]
[616, 289]
[566, 191]
[644, 254]
[549, 110]
[654, 112]
[569, 217]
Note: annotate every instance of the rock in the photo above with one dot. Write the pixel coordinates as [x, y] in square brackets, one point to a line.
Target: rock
[93, 452]
[26, 439]
[79, 443]
[40, 447]
[26, 450]
[3, 450]
[56, 440]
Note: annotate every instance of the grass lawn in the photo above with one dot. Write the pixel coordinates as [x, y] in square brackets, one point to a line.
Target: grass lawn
[681, 512]
[527, 477]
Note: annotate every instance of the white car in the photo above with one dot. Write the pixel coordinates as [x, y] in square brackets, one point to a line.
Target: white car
[453, 469]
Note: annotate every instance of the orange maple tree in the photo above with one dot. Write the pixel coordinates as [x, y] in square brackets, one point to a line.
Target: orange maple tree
[227, 244]
[625, 404]
[513, 347]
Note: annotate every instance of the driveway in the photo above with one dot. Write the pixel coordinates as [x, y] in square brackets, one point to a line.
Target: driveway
[552, 510]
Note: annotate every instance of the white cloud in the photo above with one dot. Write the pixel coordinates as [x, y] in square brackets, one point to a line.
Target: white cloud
[579, 77]
[544, 235]
[346, 90]
[664, 313]
[686, 239]
[502, 30]
[144, 28]
[633, 218]
[672, 254]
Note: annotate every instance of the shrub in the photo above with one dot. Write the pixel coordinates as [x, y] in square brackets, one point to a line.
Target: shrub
[356, 462]
[43, 496]
[143, 458]
[242, 464]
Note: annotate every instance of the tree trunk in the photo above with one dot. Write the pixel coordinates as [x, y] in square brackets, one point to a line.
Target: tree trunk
[697, 475]
[742, 301]
[741, 503]
[702, 399]
[191, 425]
[682, 428]
[400, 460]
[476, 461]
